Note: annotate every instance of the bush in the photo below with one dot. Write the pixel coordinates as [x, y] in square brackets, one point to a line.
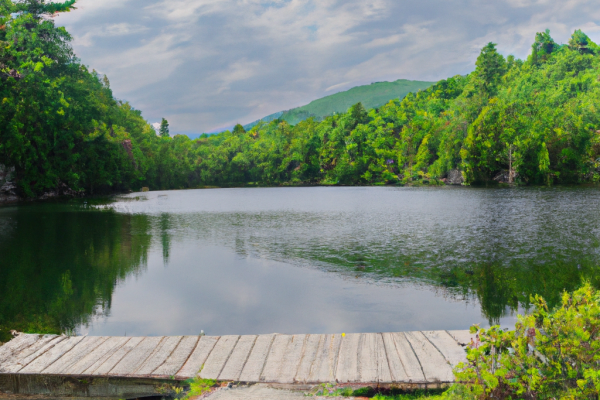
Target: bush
[550, 354]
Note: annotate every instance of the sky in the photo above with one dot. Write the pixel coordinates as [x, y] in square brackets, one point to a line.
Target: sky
[205, 65]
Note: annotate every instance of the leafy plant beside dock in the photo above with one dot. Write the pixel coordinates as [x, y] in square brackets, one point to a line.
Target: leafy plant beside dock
[550, 354]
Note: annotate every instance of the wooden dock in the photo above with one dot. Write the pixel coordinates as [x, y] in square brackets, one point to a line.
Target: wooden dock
[101, 367]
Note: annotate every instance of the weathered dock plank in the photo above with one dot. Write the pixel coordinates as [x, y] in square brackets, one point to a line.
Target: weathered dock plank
[309, 355]
[50, 356]
[323, 370]
[136, 356]
[347, 368]
[435, 367]
[275, 358]
[179, 356]
[257, 358]
[196, 360]
[81, 349]
[115, 357]
[406, 366]
[14, 347]
[452, 351]
[30, 353]
[291, 359]
[158, 357]
[235, 364]
[372, 359]
[90, 362]
[218, 357]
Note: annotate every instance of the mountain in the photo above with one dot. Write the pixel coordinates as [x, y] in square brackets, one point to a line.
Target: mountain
[371, 96]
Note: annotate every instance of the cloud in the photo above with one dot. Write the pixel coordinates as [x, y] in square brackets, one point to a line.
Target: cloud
[204, 64]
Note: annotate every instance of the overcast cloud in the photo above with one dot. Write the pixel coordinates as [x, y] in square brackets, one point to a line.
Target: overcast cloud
[208, 64]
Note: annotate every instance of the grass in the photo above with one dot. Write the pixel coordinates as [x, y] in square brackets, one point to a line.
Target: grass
[198, 387]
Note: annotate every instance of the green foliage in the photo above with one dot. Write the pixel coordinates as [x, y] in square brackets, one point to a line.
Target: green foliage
[582, 43]
[374, 95]
[61, 123]
[164, 129]
[198, 387]
[552, 353]
[543, 47]
[491, 66]
[536, 122]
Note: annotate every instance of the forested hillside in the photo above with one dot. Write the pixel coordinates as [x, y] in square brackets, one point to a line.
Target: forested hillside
[535, 121]
[530, 122]
[371, 96]
[60, 125]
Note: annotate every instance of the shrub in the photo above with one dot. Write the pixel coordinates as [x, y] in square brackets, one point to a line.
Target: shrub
[550, 354]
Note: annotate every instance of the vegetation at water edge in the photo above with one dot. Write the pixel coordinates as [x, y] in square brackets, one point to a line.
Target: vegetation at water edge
[552, 353]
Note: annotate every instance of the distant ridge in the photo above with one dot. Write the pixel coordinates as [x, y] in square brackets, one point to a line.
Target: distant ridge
[371, 96]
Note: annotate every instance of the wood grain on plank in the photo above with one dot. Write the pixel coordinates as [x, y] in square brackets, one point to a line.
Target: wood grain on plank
[16, 345]
[323, 370]
[83, 348]
[196, 360]
[372, 360]
[136, 357]
[404, 364]
[218, 357]
[462, 337]
[452, 351]
[112, 359]
[291, 359]
[88, 363]
[272, 367]
[30, 353]
[235, 364]
[347, 367]
[308, 357]
[435, 367]
[179, 356]
[52, 355]
[256, 361]
[158, 356]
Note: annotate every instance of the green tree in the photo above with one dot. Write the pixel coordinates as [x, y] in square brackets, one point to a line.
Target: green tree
[163, 131]
[491, 66]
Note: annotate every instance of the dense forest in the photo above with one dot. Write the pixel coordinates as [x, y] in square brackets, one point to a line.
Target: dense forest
[526, 122]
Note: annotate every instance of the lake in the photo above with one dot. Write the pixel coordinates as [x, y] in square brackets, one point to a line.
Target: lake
[293, 260]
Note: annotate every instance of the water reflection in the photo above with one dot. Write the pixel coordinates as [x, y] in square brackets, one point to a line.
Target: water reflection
[59, 264]
[294, 259]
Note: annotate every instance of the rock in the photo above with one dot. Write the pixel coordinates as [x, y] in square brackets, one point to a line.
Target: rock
[8, 189]
[454, 177]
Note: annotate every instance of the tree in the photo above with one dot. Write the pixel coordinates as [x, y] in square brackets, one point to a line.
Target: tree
[581, 42]
[163, 131]
[238, 129]
[543, 47]
[491, 66]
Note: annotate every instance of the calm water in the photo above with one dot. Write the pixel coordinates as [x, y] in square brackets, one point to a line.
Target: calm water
[293, 260]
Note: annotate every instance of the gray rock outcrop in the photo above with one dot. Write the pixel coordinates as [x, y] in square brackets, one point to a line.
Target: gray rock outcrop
[455, 177]
[8, 189]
